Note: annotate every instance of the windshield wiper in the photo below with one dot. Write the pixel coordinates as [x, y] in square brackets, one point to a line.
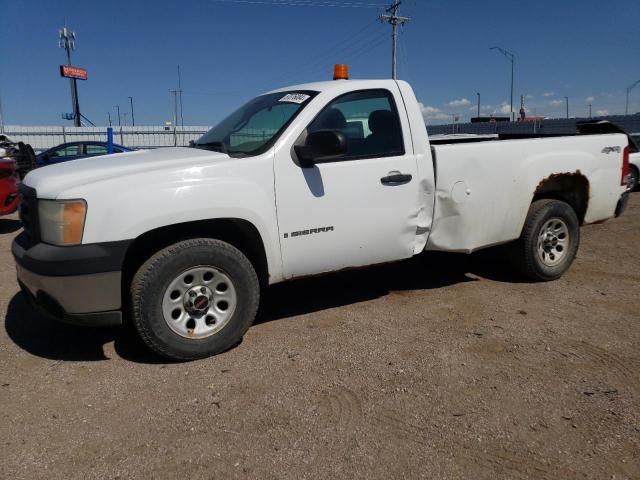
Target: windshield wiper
[215, 146]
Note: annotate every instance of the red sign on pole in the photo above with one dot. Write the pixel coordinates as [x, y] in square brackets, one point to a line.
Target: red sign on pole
[73, 72]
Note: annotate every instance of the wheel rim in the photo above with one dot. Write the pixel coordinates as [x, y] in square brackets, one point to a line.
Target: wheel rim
[199, 302]
[553, 242]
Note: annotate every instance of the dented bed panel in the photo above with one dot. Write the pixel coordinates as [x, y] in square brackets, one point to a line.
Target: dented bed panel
[483, 190]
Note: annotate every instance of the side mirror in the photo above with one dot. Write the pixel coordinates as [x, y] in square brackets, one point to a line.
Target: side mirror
[320, 147]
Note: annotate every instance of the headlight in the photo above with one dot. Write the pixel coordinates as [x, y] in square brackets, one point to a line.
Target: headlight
[62, 221]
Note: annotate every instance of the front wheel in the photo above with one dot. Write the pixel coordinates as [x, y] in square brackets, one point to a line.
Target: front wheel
[194, 299]
[549, 241]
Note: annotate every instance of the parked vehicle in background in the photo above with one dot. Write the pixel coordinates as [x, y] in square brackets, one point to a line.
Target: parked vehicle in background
[292, 185]
[73, 150]
[9, 182]
[21, 152]
[634, 161]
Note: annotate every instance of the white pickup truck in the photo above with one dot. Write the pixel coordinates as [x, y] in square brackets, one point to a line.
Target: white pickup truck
[293, 184]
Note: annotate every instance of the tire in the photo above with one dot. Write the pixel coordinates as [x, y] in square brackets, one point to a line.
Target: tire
[549, 241]
[633, 178]
[160, 289]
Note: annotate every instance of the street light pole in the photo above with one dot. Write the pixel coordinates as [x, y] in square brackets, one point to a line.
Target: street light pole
[566, 100]
[133, 120]
[119, 122]
[631, 87]
[511, 57]
[478, 104]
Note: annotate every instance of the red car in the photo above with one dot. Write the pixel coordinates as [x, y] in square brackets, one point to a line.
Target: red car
[9, 182]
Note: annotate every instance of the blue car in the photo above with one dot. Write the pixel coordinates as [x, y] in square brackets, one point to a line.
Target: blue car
[73, 150]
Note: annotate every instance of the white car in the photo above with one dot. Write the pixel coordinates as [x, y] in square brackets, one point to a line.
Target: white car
[186, 238]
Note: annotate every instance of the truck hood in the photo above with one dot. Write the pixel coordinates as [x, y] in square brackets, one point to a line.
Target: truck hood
[51, 180]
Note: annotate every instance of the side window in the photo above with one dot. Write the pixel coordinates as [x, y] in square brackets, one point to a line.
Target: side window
[95, 149]
[68, 151]
[369, 119]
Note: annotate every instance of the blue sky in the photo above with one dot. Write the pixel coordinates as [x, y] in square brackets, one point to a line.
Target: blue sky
[229, 51]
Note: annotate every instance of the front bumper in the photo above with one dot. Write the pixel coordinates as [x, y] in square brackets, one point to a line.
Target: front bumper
[80, 300]
[79, 285]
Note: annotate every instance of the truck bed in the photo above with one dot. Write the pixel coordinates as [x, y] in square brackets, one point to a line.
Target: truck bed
[483, 190]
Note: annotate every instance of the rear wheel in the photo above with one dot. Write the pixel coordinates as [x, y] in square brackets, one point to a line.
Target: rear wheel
[549, 241]
[194, 299]
[633, 178]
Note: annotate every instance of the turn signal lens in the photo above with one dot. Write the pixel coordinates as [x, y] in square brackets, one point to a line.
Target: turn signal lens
[62, 222]
[341, 71]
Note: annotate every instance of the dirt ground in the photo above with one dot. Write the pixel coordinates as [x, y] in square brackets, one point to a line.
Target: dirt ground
[441, 367]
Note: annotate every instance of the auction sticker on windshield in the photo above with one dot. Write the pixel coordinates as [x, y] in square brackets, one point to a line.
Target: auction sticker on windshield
[294, 98]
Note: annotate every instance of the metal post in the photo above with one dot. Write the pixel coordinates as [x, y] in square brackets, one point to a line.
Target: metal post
[119, 121]
[510, 56]
[512, 68]
[133, 120]
[180, 93]
[175, 117]
[566, 99]
[631, 87]
[478, 104]
[109, 140]
[589, 110]
[109, 116]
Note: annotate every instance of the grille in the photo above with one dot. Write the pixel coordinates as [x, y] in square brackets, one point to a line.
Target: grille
[29, 212]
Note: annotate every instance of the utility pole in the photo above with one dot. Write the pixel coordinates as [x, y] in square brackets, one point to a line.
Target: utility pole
[109, 116]
[631, 87]
[394, 19]
[566, 100]
[118, 108]
[510, 56]
[67, 41]
[589, 110]
[180, 96]
[478, 104]
[133, 120]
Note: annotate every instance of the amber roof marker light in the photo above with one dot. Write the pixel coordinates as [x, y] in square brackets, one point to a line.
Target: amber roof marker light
[341, 71]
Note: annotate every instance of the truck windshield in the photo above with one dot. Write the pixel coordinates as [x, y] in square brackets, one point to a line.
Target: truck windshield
[254, 128]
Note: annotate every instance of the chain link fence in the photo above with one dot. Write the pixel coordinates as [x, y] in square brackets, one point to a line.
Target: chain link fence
[45, 137]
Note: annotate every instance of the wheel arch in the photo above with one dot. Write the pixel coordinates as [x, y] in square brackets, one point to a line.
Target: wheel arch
[240, 233]
[571, 188]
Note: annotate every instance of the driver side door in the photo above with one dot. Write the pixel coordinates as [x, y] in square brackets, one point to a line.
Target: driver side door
[359, 207]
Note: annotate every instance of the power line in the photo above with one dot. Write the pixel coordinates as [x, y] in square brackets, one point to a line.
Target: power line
[304, 3]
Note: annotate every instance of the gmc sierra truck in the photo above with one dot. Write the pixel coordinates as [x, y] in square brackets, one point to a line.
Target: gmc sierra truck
[299, 181]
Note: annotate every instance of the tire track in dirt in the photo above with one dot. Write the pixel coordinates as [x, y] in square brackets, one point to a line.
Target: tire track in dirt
[343, 407]
[624, 370]
[498, 460]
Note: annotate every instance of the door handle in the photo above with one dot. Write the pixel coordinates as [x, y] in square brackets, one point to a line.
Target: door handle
[396, 178]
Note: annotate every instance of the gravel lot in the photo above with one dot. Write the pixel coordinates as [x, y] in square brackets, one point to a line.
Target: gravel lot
[441, 367]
